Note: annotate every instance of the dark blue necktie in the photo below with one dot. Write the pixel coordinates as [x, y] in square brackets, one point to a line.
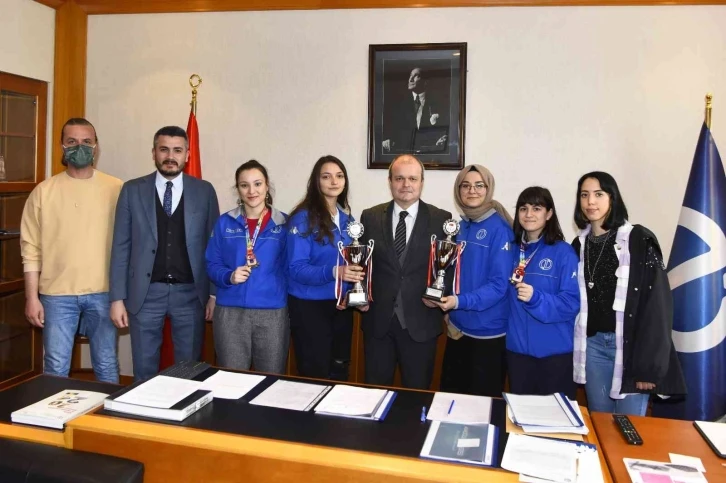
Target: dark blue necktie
[167, 198]
[399, 239]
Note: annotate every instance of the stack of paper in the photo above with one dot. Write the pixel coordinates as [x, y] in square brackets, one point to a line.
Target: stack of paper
[460, 408]
[548, 460]
[160, 397]
[545, 414]
[356, 402]
[298, 396]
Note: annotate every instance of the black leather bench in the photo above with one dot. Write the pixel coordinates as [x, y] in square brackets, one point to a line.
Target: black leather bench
[24, 462]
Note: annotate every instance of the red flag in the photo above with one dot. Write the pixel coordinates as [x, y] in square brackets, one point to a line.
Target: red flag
[193, 168]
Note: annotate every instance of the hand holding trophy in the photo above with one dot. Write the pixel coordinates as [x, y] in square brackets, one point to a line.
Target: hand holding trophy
[360, 255]
[443, 254]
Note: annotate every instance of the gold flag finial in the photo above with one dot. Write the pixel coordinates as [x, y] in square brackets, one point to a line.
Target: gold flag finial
[194, 81]
[709, 98]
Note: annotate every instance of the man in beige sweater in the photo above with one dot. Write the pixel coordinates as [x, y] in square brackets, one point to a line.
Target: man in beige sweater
[65, 241]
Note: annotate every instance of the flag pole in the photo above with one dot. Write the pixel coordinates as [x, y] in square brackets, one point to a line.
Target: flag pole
[195, 81]
[709, 98]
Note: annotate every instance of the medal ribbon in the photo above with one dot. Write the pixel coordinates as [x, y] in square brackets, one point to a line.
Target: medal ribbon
[431, 260]
[457, 269]
[522, 262]
[251, 243]
[338, 282]
[369, 285]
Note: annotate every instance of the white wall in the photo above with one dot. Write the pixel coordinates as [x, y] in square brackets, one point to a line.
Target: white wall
[27, 36]
[552, 93]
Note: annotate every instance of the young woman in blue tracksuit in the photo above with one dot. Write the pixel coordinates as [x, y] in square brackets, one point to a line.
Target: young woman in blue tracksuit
[544, 299]
[246, 261]
[474, 360]
[321, 330]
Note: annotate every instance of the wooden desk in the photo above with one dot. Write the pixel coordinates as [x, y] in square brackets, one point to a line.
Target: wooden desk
[174, 453]
[660, 437]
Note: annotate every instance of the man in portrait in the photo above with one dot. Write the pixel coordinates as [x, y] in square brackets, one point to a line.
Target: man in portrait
[416, 121]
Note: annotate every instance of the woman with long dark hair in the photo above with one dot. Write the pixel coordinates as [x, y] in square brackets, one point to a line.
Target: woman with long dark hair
[321, 330]
[543, 299]
[623, 350]
[246, 261]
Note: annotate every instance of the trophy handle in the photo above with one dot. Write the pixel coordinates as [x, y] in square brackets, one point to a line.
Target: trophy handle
[462, 245]
[433, 239]
[340, 250]
[370, 250]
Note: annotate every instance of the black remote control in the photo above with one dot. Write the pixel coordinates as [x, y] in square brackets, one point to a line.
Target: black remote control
[627, 429]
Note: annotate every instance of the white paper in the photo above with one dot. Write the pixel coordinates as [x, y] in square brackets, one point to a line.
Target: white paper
[554, 429]
[466, 409]
[160, 392]
[468, 443]
[716, 432]
[687, 460]
[588, 470]
[230, 385]
[352, 401]
[645, 470]
[588, 466]
[298, 396]
[539, 410]
[541, 457]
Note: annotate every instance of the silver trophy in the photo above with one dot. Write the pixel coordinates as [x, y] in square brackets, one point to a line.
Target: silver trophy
[357, 254]
[444, 252]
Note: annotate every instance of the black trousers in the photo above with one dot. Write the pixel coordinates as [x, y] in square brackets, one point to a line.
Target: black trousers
[474, 366]
[541, 376]
[322, 337]
[416, 359]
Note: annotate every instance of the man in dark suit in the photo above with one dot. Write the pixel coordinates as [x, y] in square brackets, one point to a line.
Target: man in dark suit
[418, 122]
[397, 326]
[163, 222]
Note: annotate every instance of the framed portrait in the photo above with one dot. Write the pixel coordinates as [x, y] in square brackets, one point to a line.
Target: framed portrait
[416, 104]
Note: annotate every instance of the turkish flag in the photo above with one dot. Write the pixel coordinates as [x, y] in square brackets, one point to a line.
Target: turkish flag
[192, 168]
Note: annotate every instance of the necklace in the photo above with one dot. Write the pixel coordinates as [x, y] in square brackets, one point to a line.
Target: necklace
[591, 283]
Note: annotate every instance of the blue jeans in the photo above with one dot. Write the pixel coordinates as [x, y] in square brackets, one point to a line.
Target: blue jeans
[599, 367]
[63, 314]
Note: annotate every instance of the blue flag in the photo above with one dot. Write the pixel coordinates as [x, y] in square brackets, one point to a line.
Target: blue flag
[697, 275]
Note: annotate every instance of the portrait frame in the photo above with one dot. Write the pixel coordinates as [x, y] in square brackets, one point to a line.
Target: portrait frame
[403, 121]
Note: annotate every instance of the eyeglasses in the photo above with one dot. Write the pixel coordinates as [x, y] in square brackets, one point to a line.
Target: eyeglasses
[478, 187]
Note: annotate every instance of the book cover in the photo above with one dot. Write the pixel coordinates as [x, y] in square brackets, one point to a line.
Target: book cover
[56, 410]
[467, 443]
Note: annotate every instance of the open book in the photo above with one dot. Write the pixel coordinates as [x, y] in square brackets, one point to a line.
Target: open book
[56, 410]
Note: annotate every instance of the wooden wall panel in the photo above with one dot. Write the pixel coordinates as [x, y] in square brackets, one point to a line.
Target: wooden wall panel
[69, 80]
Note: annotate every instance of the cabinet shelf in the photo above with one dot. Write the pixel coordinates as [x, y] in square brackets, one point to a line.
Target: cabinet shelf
[11, 285]
[23, 117]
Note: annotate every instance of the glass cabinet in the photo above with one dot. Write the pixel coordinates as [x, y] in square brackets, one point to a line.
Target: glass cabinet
[23, 112]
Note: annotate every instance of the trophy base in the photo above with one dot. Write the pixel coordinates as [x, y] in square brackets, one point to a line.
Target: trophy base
[435, 294]
[357, 299]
